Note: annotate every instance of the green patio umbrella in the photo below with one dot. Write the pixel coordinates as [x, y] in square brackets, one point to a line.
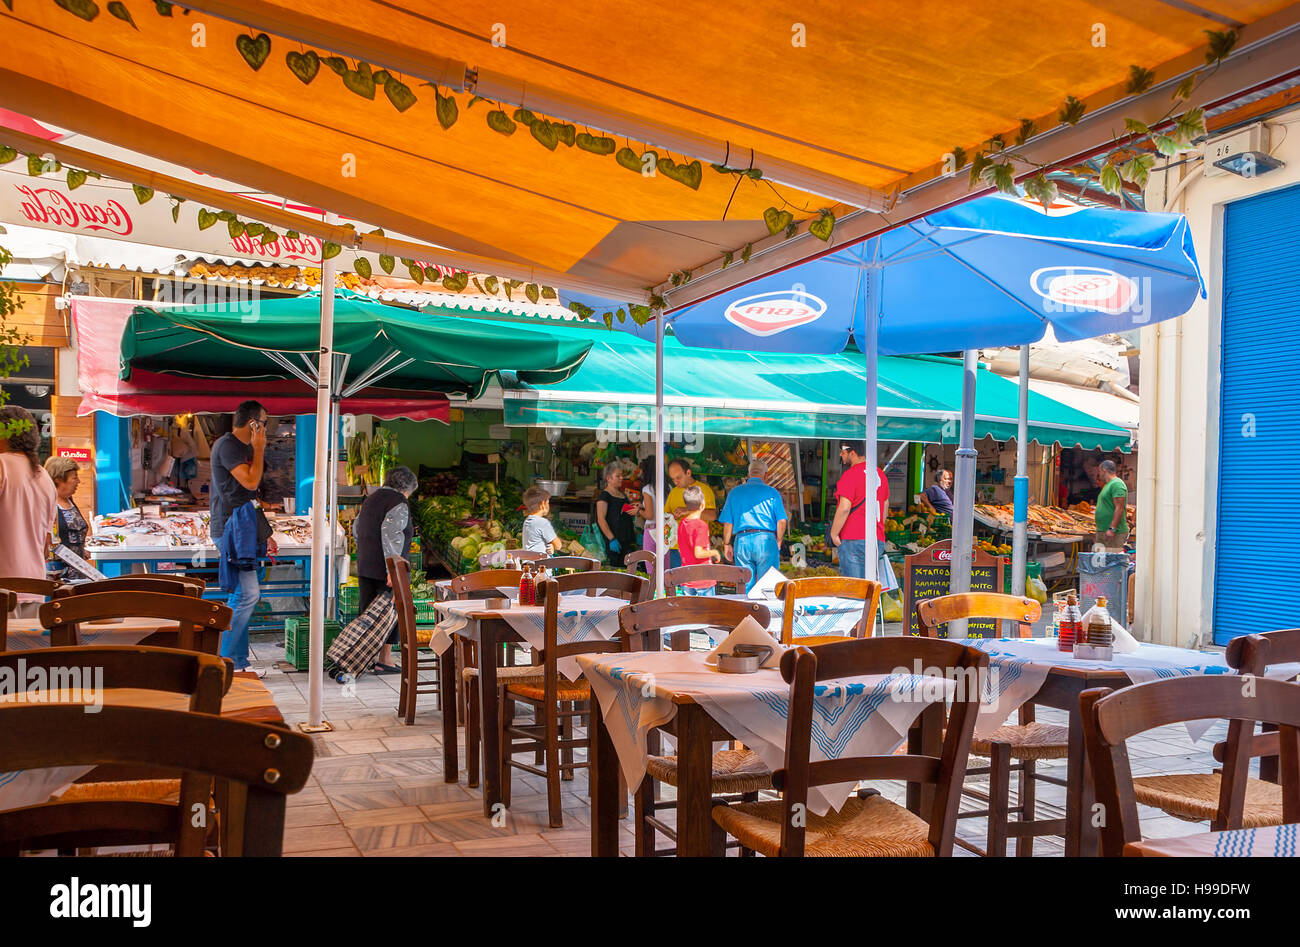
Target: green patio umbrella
[406, 349]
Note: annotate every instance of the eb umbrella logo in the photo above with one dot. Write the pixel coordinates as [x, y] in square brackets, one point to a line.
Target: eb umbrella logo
[769, 313]
[1085, 287]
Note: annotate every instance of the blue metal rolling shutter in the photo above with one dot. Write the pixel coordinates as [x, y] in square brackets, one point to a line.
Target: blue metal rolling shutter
[1255, 584]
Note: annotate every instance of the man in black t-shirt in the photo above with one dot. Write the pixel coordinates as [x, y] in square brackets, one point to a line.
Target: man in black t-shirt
[237, 460]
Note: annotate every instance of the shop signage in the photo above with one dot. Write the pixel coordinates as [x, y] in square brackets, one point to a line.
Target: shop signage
[1083, 287]
[769, 313]
[51, 207]
[928, 574]
[81, 455]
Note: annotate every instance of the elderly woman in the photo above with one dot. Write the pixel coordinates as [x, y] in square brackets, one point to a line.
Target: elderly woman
[71, 524]
[614, 516]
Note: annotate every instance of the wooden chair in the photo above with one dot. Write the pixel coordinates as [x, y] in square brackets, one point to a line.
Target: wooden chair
[580, 563]
[1112, 717]
[203, 678]
[738, 773]
[8, 602]
[50, 588]
[736, 577]
[412, 642]
[871, 826]
[1024, 743]
[167, 584]
[640, 561]
[199, 622]
[267, 763]
[555, 699]
[833, 586]
[1248, 802]
[486, 584]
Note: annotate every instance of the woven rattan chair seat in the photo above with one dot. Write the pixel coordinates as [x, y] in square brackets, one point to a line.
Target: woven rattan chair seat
[1195, 796]
[1030, 741]
[163, 791]
[734, 771]
[534, 688]
[508, 673]
[866, 828]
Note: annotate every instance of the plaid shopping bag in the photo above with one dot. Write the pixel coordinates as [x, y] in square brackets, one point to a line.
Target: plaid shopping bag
[356, 647]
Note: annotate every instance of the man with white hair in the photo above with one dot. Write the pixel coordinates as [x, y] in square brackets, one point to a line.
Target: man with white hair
[754, 517]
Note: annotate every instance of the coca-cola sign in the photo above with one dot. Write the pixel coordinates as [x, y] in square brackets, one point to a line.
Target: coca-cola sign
[306, 249]
[943, 555]
[48, 206]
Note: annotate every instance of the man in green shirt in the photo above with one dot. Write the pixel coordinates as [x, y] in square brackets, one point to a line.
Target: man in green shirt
[1112, 515]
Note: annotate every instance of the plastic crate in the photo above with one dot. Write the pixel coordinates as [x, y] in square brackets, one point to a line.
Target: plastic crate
[297, 634]
[1033, 570]
[425, 613]
[349, 598]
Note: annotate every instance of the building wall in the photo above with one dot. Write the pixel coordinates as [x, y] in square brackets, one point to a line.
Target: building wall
[1179, 417]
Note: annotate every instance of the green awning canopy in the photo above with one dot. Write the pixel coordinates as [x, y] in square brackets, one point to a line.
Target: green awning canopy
[783, 396]
[405, 348]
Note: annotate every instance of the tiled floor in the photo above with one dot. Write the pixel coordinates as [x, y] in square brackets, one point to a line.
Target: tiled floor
[377, 785]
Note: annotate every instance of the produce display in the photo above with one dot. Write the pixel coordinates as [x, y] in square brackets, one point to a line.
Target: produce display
[1044, 520]
[479, 519]
[916, 530]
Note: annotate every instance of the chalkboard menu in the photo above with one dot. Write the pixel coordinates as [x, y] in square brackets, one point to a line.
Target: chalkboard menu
[928, 574]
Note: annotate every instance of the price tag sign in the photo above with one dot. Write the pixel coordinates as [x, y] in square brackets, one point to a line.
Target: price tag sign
[928, 574]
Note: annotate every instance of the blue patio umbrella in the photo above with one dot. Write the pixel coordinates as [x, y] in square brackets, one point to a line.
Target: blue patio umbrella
[995, 271]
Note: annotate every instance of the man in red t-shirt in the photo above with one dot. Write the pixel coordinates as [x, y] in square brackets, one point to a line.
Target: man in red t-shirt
[849, 528]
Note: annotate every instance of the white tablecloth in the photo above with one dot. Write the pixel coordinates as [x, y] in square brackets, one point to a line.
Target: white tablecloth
[861, 716]
[26, 634]
[1019, 666]
[580, 618]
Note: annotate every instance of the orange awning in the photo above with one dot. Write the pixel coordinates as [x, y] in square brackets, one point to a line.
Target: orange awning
[843, 104]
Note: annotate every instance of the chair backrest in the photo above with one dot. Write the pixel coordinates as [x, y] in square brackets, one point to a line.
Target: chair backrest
[399, 578]
[197, 619]
[834, 586]
[486, 584]
[524, 555]
[1112, 717]
[204, 678]
[166, 584]
[616, 584]
[269, 762]
[581, 563]
[1252, 654]
[640, 561]
[735, 576]
[8, 602]
[639, 624]
[50, 588]
[933, 612]
[803, 667]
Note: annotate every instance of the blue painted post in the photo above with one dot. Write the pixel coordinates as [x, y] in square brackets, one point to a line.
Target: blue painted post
[304, 460]
[112, 471]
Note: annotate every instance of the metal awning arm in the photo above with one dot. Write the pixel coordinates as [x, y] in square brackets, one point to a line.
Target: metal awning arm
[381, 369]
[280, 359]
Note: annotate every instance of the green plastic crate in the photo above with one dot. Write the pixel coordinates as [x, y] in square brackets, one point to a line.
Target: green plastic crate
[349, 598]
[297, 639]
[425, 613]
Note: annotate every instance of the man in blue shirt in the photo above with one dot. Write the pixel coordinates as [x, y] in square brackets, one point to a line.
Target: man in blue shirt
[754, 517]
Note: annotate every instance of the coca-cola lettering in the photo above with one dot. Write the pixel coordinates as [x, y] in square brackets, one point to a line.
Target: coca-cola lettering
[51, 207]
[944, 555]
[306, 249]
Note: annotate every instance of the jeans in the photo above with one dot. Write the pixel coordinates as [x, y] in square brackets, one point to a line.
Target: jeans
[687, 590]
[853, 558]
[234, 643]
[756, 552]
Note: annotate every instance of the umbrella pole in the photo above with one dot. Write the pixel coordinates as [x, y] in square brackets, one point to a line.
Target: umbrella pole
[963, 502]
[1020, 528]
[661, 546]
[872, 344]
[320, 499]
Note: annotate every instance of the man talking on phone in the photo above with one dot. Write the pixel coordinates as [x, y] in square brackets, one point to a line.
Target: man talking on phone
[237, 466]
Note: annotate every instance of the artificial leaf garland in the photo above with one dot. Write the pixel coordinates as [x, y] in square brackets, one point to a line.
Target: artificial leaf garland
[254, 49]
[118, 9]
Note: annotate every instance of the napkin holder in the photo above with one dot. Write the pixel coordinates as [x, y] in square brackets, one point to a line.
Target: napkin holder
[1092, 652]
[499, 603]
[744, 659]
